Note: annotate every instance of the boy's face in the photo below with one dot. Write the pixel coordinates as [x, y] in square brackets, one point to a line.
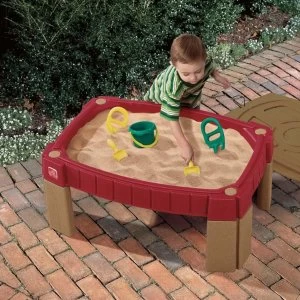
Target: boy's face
[190, 72]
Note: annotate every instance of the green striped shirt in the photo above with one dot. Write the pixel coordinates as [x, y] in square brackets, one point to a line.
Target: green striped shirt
[169, 90]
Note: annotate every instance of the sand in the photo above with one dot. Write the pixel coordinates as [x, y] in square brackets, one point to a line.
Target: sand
[162, 163]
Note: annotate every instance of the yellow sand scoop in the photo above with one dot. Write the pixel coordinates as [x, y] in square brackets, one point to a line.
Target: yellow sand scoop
[118, 154]
[191, 169]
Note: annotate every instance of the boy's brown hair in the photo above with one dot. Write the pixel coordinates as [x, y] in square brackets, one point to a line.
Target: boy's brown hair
[187, 48]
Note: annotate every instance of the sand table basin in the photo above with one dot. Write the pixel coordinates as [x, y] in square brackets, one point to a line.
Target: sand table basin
[162, 163]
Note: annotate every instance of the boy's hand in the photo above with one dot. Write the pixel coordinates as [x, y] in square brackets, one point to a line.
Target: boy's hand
[221, 79]
[224, 81]
[187, 152]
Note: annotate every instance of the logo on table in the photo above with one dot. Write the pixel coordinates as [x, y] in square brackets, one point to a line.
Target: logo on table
[52, 173]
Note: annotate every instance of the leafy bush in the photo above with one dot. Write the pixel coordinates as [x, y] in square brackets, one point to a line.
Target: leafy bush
[290, 6]
[256, 6]
[18, 142]
[225, 55]
[13, 119]
[254, 46]
[294, 24]
[270, 36]
[68, 51]
[208, 18]
[261, 6]
[238, 51]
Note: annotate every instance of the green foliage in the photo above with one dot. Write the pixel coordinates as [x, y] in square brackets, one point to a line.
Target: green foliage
[207, 18]
[221, 55]
[290, 6]
[68, 51]
[226, 55]
[254, 46]
[270, 36]
[18, 142]
[13, 119]
[256, 6]
[294, 24]
[238, 51]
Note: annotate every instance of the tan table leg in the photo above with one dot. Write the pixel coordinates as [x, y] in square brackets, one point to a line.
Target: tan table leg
[228, 243]
[264, 191]
[59, 208]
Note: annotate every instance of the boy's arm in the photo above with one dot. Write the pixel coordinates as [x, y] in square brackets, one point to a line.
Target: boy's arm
[170, 91]
[221, 79]
[187, 152]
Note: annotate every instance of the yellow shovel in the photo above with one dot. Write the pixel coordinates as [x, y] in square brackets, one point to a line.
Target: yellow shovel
[191, 169]
[118, 154]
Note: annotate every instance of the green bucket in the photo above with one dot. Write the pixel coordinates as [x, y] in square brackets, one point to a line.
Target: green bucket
[144, 134]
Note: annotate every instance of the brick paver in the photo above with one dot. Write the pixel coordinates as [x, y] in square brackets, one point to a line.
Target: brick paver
[108, 248]
[194, 282]
[132, 273]
[167, 281]
[14, 256]
[33, 281]
[104, 271]
[64, 286]
[125, 252]
[72, 265]
[4, 236]
[93, 288]
[42, 259]
[120, 289]
[7, 277]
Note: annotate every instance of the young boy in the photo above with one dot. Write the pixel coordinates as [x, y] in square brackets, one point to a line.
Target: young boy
[180, 84]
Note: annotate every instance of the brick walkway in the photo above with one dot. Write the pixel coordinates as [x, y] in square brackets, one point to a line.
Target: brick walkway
[130, 253]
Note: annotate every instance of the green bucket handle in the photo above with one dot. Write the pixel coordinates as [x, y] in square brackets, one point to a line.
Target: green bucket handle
[216, 143]
[149, 145]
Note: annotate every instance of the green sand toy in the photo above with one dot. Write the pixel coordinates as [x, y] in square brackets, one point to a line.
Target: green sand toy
[144, 134]
[217, 142]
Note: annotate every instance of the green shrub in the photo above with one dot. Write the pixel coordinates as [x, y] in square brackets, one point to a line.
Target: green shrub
[14, 119]
[255, 6]
[208, 18]
[289, 6]
[261, 6]
[225, 55]
[69, 51]
[254, 46]
[238, 51]
[294, 24]
[270, 36]
[221, 55]
[18, 141]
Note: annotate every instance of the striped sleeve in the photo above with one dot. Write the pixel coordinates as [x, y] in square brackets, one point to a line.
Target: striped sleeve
[171, 93]
[209, 68]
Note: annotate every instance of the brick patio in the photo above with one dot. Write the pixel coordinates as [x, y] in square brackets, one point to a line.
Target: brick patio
[129, 253]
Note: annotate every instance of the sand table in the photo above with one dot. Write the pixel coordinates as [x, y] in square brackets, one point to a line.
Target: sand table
[162, 163]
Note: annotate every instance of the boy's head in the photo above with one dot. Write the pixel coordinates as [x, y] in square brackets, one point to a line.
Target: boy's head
[187, 48]
[188, 55]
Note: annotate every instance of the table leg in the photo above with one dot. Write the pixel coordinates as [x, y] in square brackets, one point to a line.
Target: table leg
[228, 243]
[59, 208]
[264, 191]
